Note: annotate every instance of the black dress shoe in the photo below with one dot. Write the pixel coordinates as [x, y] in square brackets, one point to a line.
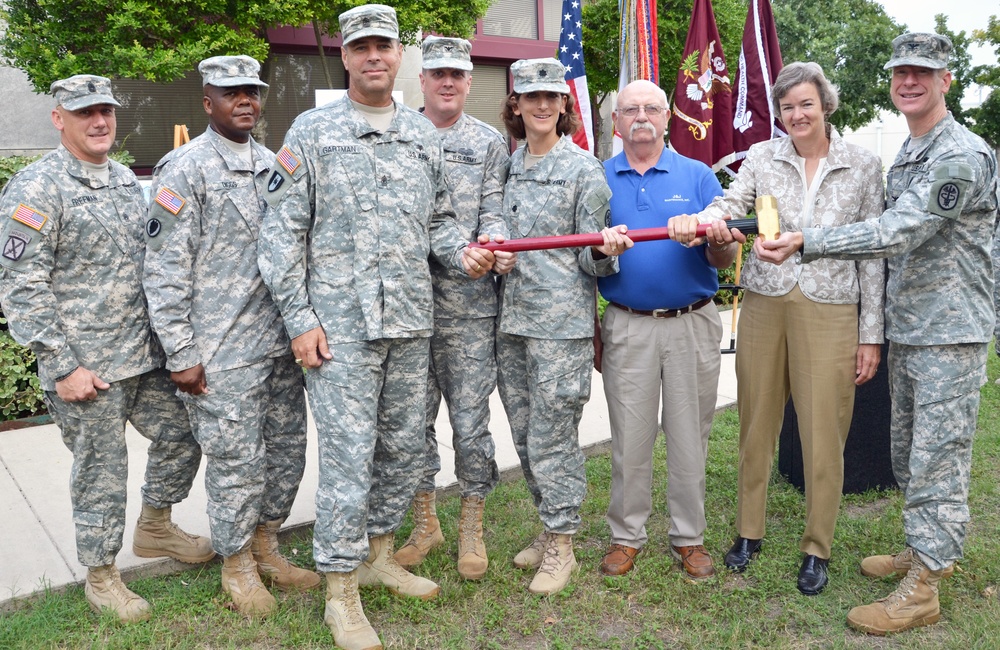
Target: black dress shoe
[743, 551]
[812, 575]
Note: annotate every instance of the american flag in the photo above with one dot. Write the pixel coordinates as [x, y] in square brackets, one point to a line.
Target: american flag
[169, 200]
[29, 216]
[288, 160]
[571, 56]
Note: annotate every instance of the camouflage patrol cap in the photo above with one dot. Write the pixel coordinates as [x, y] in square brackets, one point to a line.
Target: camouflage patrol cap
[921, 50]
[442, 52]
[531, 75]
[369, 20]
[82, 90]
[229, 71]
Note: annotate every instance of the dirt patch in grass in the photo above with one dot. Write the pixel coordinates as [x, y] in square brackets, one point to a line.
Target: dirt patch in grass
[866, 510]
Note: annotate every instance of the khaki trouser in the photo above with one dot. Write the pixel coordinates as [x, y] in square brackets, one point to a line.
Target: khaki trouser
[791, 344]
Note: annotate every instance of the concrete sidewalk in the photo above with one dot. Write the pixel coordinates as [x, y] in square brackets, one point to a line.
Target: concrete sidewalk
[37, 545]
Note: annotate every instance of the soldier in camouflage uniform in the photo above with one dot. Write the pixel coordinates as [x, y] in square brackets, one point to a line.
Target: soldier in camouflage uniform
[546, 325]
[937, 234]
[225, 343]
[463, 363]
[71, 287]
[358, 201]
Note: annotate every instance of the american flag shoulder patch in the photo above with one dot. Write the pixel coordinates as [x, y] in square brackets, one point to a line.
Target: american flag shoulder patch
[170, 201]
[288, 160]
[29, 216]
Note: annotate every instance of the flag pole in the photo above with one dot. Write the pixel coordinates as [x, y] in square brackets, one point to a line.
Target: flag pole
[736, 298]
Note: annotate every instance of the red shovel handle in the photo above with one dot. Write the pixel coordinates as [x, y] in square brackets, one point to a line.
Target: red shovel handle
[746, 226]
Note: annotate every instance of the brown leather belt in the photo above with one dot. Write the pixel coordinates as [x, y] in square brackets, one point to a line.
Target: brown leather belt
[664, 313]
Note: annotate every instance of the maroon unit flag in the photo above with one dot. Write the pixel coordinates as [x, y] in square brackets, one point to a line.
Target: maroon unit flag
[700, 126]
[754, 119]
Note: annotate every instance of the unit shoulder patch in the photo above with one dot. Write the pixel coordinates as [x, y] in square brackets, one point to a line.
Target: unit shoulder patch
[949, 188]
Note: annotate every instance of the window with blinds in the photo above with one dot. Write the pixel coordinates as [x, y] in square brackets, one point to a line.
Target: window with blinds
[551, 19]
[149, 110]
[489, 89]
[512, 18]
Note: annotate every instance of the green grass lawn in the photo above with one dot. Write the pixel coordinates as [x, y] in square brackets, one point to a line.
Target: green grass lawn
[653, 607]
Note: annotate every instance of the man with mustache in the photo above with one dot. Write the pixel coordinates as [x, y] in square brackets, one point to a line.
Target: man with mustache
[358, 201]
[71, 288]
[225, 341]
[660, 335]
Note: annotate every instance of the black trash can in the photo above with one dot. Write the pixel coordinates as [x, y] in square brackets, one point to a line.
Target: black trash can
[867, 462]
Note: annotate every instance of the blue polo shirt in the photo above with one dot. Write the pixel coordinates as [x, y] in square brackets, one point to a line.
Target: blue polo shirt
[659, 274]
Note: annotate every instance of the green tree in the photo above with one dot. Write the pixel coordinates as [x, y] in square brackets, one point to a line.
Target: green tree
[161, 41]
[985, 118]
[851, 40]
[962, 72]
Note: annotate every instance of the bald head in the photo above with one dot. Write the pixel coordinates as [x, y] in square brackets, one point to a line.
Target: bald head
[639, 86]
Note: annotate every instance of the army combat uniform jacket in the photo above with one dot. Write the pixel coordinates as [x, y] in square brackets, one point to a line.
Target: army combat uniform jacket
[345, 202]
[71, 270]
[476, 160]
[550, 294]
[206, 297]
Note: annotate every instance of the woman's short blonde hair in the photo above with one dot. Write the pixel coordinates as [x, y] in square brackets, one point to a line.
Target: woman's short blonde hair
[797, 73]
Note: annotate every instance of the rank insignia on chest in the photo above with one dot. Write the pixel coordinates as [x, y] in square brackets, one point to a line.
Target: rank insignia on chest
[29, 217]
[169, 200]
[288, 160]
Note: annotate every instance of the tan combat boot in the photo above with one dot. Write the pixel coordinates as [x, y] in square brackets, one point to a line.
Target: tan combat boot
[913, 604]
[557, 567]
[426, 531]
[344, 615]
[157, 536]
[883, 566]
[381, 568]
[472, 560]
[242, 582]
[275, 567]
[104, 589]
[531, 557]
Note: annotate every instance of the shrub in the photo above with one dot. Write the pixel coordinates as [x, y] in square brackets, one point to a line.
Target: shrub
[20, 391]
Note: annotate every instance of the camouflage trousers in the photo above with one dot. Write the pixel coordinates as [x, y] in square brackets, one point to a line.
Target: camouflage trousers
[251, 426]
[369, 403]
[544, 385]
[935, 405]
[95, 432]
[463, 369]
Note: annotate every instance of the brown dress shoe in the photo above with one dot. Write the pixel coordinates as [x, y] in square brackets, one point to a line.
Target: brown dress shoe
[695, 560]
[619, 560]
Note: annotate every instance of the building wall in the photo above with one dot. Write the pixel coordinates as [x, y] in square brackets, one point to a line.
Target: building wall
[27, 128]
